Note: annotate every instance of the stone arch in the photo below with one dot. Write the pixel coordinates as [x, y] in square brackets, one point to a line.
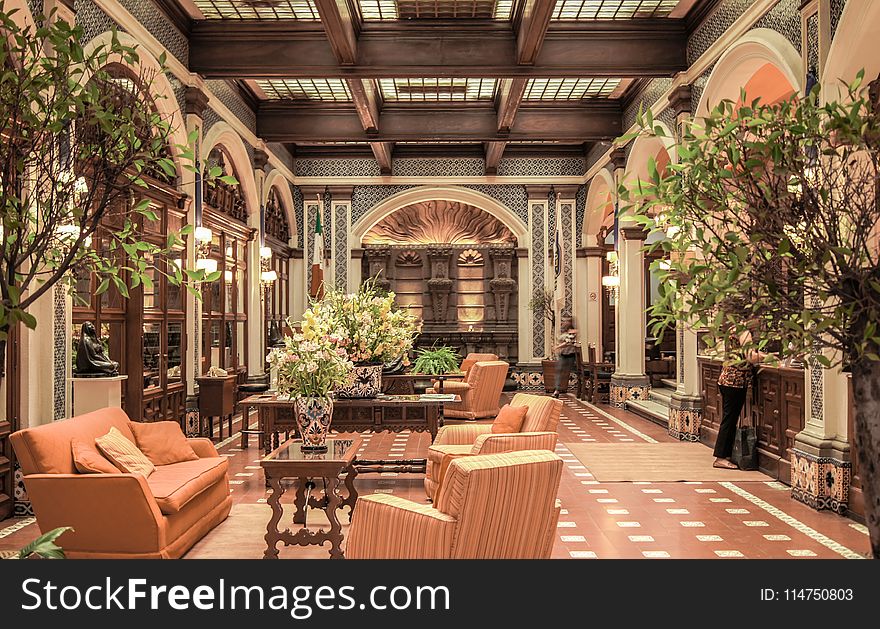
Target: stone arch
[661, 149]
[277, 180]
[746, 58]
[854, 47]
[600, 199]
[22, 16]
[165, 101]
[222, 134]
[440, 193]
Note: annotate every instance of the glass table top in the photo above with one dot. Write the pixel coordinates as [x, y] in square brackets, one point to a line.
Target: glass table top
[293, 451]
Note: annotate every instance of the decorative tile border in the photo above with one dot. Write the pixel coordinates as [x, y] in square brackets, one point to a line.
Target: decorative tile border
[567, 255]
[21, 504]
[61, 356]
[799, 526]
[340, 245]
[620, 393]
[538, 261]
[684, 424]
[17, 526]
[820, 482]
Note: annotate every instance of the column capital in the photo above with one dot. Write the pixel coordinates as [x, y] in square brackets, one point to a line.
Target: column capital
[617, 159]
[309, 192]
[680, 100]
[196, 101]
[591, 252]
[567, 192]
[340, 193]
[538, 192]
[261, 159]
[633, 232]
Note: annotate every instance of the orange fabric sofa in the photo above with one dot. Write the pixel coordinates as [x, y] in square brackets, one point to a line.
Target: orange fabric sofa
[118, 516]
[491, 506]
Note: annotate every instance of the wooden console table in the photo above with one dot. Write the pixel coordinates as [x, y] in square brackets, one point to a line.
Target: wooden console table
[386, 412]
[291, 461]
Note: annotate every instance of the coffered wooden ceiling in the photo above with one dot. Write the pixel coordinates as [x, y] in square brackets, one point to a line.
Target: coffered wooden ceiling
[338, 76]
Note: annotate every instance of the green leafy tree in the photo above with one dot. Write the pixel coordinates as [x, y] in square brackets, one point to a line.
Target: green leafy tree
[78, 138]
[772, 220]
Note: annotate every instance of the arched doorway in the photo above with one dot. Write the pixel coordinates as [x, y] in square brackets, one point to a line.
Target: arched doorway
[450, 255]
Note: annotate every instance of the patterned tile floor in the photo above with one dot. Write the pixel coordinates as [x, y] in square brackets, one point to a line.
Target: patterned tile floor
[599, 520]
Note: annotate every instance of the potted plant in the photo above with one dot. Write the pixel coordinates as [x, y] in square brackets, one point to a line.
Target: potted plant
[436, 361]
[542, 306]
[370, 331]
[310, 365]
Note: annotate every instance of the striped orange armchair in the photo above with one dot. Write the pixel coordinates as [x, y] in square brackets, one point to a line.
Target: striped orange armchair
[479, 392]
[473, 358]
[493, 506]
[538, 433]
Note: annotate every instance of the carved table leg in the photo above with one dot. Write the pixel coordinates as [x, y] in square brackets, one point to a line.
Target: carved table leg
[299, 517]
[273, 535]
[335, 533]
[351, 499]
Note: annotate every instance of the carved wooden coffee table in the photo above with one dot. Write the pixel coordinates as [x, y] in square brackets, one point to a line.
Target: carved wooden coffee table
[290, 461]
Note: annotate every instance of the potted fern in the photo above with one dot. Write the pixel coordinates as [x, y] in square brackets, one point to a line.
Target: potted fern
[433, 361]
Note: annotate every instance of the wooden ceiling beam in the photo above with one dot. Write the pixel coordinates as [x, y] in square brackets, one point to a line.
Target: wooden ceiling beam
[281, 49]
[382, 153]
[339, 24]
[573, 124]
[532, 28]
[494, 151]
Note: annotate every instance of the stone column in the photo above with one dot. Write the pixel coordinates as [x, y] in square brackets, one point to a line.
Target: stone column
[523, 312]
[588, 289]
[538, 329]
[565, 205]
[256, 298]
[439, 284]
[686, 404]
[340, 245]
[377, 260]
[629, 380]
[355, 272]
[295, 285]
[196, 102]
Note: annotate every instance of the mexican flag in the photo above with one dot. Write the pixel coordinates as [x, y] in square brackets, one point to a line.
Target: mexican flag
[316, 290]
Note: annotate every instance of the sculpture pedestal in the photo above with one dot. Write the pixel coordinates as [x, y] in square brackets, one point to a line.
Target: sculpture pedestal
[91, 394]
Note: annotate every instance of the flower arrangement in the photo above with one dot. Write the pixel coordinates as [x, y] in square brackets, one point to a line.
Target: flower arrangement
[310, 363]
[367, 326]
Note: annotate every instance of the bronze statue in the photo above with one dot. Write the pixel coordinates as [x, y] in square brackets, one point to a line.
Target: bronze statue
[91, 360]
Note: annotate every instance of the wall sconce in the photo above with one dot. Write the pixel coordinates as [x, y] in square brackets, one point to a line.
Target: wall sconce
[268, 275]
[611, 282]
[204, 237]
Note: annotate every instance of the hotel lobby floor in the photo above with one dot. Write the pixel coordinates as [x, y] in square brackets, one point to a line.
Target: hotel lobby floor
[599, 520]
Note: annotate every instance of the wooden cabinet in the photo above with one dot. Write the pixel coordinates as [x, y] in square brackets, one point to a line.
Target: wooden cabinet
[774, 406]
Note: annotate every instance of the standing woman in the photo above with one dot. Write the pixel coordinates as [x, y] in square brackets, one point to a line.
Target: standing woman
[567, 349]
[736, 375]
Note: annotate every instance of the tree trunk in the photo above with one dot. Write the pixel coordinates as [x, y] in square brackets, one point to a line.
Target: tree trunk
[866, 395]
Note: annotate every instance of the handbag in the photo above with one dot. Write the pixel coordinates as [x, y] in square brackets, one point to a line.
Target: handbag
[745, 448]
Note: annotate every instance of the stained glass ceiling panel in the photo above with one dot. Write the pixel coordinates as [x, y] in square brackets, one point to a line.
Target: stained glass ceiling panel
[437, 90]
[612, 9]
[435, 9]
[327, 90]
[569, 89]
[258, 9]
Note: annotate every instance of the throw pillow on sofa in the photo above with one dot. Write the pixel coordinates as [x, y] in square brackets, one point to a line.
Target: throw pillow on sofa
[510, 419]
[87, 459]
[124, 454]
[162, 442]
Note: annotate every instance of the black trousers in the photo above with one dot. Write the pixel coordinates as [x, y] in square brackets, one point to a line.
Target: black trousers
[732, 401]
[566, 364]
